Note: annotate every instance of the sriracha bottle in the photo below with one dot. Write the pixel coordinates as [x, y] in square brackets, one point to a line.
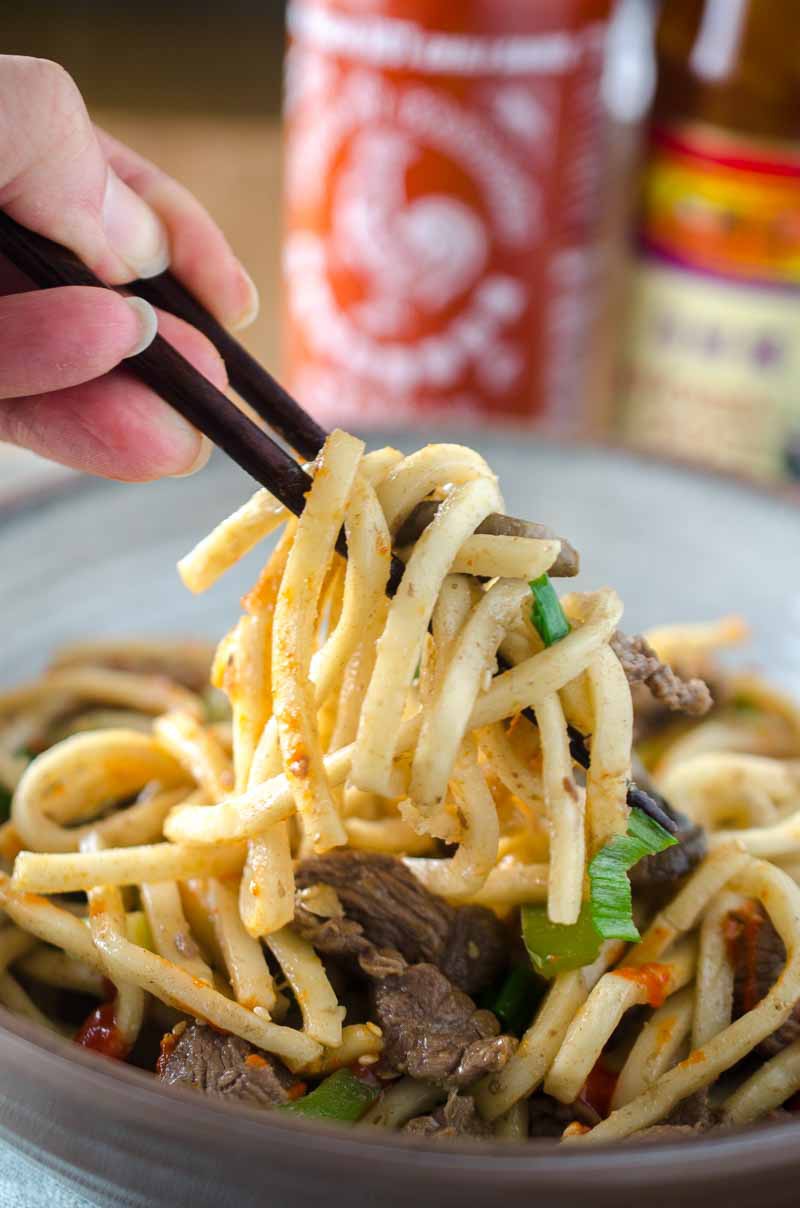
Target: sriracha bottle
[440, 193]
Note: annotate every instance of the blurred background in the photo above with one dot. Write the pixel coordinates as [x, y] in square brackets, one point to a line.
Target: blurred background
[574, 216]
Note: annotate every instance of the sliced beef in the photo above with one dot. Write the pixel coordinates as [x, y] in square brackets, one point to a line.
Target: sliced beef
[667, 1132]
[351, 992]
[222, 1065]
[547, 1118]
[419, 954]
[477, 949]
[679, 1130]
[433, 1031]
[566, 564]
[674, 863]
[694, 1112]
[385, 908]
[455, 1118]
[689, 1119]
[642, 665]
[758, 956]
[344, 940]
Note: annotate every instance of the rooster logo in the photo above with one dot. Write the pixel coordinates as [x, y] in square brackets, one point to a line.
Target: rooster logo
[415, 256]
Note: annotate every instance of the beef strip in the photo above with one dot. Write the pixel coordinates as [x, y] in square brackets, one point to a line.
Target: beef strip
[455, 1118]
[666, 867]
[420, 955]
[566, 564]
[433, 1031]
[642, 665]
[690, 1118]
[758, 956]
[547, 1118]
[689, 1132]
[344, 940]
[693, 1112]
[351, 992]
[667, 1132]
[222, 1065]
[385, 908]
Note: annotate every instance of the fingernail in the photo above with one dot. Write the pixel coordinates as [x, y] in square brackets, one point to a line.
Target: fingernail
[250, 311]
[134, 231]
[186, 444]
[201, 461]
[148, 324]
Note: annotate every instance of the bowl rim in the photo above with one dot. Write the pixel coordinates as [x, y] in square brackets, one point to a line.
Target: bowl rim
[757, 1149]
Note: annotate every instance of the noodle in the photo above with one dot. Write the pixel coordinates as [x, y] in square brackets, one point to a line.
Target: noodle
[82, 775]
[171, 934]
[244, 960]
[782, 898]
[456, 691]
[543, 1039]
[657, 1047]
[295, 614]
[565, 803]
[765, 1090]
[123, 866]
[594, 1023]
[334, 857]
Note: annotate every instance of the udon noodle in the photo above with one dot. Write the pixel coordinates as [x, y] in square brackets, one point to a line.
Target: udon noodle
[161, 833]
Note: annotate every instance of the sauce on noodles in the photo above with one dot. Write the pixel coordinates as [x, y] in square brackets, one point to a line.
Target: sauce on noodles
[306, 881]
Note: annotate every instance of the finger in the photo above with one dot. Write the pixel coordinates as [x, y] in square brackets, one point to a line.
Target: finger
[114, 426]
[56, 338]
[199, 253]
[12, 279]
[54, 177]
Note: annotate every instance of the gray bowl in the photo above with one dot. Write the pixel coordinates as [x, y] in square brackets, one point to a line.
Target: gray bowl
[99, 560]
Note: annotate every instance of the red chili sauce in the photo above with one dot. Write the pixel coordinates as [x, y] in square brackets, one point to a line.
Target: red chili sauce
[654, 979]
[99, 1030]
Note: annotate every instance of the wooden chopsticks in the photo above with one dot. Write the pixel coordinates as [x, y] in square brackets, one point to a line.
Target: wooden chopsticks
[249, 379]
[173, 378]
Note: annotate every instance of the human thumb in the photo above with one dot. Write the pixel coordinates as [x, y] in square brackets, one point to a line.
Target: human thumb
[54, 177]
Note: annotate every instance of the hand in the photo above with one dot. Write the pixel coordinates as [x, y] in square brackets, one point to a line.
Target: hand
[61, 393]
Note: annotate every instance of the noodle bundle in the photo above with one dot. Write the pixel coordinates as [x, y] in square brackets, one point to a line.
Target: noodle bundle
[334, 854]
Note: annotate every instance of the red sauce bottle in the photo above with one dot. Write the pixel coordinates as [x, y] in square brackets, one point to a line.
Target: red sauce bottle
[440, 194]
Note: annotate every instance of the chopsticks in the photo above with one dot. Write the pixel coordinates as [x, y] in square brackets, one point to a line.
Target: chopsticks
[173, 378]
[249, 379]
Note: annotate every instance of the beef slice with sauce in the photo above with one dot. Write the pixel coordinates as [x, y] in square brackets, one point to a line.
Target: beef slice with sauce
[547, 1117]
[693, 1132]
[758, 955]
[657, 875]
[386, 906]
[457, 1117]
[223, 1066]
[433, 1031]
[642, 665]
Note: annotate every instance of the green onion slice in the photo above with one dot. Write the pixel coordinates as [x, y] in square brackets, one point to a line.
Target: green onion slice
[555, 947]
[515, 1000]
[612, 907]
[342, 1096]
[558, 947]
[547, 614]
